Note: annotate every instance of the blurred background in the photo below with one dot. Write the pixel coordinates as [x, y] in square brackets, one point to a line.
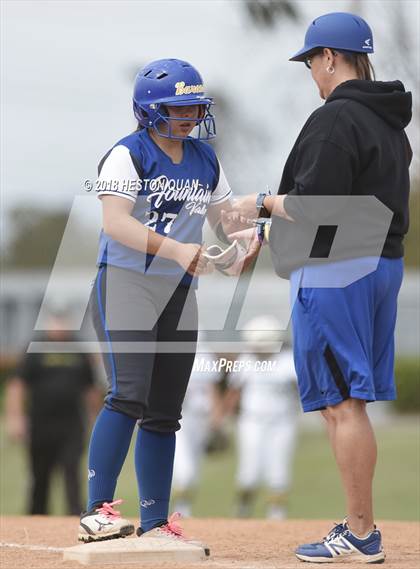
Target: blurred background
[67, 72]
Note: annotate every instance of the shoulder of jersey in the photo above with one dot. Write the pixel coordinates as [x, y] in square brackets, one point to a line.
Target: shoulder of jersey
[204, 147]
[131, 141]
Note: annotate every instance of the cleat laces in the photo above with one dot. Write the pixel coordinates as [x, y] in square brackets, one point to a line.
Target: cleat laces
[337, 530]
[172, 528]
[108, 511]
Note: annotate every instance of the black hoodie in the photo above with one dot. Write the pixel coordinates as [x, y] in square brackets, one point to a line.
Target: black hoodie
[354, 144]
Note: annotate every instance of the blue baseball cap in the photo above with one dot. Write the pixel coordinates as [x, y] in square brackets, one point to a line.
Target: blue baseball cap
[337, 30]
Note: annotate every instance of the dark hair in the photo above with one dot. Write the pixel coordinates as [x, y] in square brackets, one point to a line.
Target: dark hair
[361, 63]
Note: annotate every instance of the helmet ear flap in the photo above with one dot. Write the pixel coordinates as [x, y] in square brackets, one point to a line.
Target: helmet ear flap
[140, 114]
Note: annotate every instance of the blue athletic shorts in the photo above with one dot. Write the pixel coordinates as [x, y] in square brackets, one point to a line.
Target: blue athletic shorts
[344, 337]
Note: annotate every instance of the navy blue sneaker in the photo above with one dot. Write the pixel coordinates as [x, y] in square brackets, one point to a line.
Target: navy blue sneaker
[341, 546]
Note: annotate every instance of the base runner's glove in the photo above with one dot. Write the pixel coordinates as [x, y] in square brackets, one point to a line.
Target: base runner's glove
[227, 261]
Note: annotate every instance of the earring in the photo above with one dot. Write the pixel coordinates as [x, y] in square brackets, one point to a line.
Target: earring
[330, 69]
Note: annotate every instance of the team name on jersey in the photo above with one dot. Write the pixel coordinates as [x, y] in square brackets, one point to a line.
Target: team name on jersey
[182, 89]
[195, 195]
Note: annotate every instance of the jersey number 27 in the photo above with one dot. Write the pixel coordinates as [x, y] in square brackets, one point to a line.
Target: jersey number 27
[156, 217]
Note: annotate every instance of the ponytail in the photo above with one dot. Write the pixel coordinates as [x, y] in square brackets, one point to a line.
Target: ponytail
[361, 63]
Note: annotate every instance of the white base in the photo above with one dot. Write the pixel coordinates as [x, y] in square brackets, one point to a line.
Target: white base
[135, 550]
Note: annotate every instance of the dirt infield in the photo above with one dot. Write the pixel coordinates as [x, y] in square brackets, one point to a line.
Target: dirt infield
[234, 544]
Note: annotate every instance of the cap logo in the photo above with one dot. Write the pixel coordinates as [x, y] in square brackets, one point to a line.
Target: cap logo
[367, 44]
[182, 89]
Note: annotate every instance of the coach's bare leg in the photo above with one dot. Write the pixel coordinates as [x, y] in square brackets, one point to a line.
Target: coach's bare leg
[355, 451]
[330, 429]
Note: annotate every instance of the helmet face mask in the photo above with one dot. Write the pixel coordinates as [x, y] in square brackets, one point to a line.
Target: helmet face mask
[171, 83]
[157, 116]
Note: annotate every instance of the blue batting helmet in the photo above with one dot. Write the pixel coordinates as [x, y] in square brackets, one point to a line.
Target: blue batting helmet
[337, 30]
[171, 82]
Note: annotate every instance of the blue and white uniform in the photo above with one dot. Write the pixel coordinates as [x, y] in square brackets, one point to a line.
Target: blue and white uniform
[171, 199]
[144, 306]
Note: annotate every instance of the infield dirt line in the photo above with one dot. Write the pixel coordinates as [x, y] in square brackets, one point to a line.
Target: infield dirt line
[215, 564]
[32, 547]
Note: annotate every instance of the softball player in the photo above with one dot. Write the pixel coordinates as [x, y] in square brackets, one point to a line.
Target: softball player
[157, 185]
[198, 415]
[344, 337]
[267, 421]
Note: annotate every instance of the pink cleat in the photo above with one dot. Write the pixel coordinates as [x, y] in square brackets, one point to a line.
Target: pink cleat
[104, 523]
[171, 531]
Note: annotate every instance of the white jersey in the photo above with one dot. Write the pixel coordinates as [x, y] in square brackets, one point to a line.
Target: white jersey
[195, 424]
[198, 397]
[268, 384]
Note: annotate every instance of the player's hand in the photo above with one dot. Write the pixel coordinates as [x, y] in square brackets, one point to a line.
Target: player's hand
[190, 257]
[248, 238]
[246, 206]
[234, 221]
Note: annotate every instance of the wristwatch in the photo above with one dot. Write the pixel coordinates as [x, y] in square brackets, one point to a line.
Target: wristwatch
[262, 211]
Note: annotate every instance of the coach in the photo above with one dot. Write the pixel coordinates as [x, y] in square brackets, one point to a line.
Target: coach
[354, 145]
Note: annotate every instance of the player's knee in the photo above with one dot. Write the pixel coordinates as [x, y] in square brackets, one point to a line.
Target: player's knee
[161, 424]
[130, 408]
[346, 410]
[325, 415]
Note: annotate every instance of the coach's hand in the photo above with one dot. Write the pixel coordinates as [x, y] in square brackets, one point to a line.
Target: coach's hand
[246, 206]
[190, 257]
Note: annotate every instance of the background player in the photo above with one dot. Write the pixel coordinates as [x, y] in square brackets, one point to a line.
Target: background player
[267, 423]
[157, 187]
[201, 418]
[49, 401]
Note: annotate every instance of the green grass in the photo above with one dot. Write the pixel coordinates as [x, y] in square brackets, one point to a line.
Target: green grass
[316, 491]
